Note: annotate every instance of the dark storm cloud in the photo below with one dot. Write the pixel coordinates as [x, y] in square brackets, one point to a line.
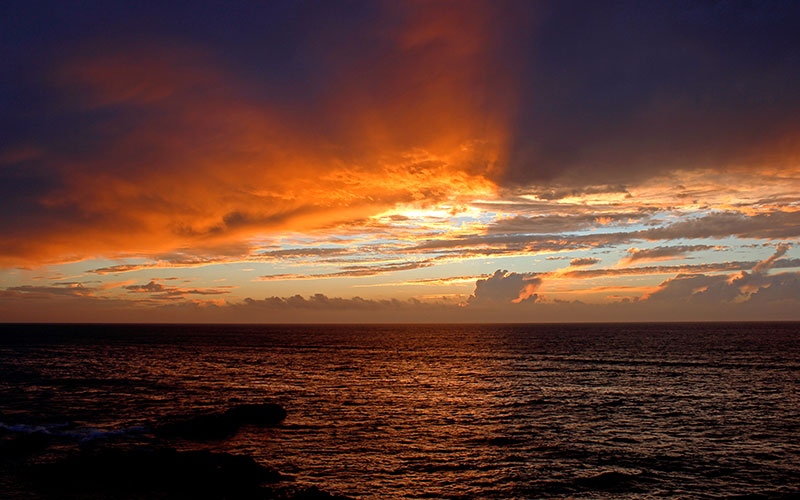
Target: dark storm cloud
[143, 128]
[622, 90]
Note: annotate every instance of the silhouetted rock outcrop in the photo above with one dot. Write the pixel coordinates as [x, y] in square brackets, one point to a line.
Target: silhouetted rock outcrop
[165, 473]
[130, 466]
[159, 472]
[221, 425]
[265, 414]
[14, 445]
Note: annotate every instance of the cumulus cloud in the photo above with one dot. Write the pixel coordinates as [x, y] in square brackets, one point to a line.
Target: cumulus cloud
[320, 301]
[781, 288]
[721, 289]
[504, 287]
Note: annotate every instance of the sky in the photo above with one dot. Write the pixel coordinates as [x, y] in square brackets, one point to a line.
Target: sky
[411, 161]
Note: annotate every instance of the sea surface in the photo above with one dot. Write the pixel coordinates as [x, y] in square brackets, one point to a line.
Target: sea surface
[635, 411]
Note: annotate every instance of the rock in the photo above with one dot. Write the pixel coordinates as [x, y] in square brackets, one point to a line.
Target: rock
[147, 472]
[200, 427]
[16, 445]
[139, 467]
[267, 414]
[221, 425]
[155, 473]
[503, 441]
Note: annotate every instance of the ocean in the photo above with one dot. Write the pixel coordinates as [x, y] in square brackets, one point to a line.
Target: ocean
[580, 411]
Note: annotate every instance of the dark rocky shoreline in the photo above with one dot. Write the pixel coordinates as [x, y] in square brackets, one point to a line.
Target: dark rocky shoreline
[220, 425]
[146, 464]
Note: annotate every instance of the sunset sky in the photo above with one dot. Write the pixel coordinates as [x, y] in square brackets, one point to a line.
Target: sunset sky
[331, 161]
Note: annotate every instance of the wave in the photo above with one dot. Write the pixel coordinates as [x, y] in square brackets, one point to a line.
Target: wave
[82, 434]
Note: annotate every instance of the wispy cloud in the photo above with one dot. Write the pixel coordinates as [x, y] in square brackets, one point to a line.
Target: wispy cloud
[663, 253]
[585, 261]
[158, 290]
[355, 271]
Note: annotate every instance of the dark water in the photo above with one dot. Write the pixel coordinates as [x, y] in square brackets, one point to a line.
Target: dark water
[497, 412]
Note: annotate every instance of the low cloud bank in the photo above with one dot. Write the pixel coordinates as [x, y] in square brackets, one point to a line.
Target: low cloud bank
[754, 294]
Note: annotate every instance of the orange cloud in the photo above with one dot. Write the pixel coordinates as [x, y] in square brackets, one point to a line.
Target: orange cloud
[176, 150]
